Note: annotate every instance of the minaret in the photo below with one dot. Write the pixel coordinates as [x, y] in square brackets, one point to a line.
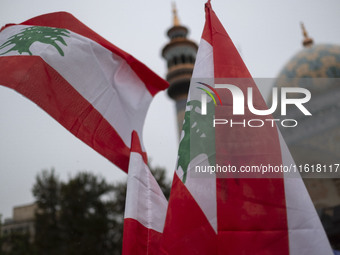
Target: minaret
[180, 54]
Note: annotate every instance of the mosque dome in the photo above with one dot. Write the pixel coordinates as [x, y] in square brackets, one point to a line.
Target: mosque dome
[319, 61]
[313, 61]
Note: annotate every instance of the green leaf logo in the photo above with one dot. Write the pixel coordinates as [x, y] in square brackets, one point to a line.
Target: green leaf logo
[22, 41]
[199, 136]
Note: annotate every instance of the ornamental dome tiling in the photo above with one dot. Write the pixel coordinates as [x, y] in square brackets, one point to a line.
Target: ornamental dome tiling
[313, 61]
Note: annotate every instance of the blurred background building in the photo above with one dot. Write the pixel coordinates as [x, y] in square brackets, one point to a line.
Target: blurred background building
[21, 223]
[22, 220]
[180, 55]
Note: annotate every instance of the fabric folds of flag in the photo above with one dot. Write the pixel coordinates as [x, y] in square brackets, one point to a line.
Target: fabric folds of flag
[220, 214]
[145, 207]
[94, 89]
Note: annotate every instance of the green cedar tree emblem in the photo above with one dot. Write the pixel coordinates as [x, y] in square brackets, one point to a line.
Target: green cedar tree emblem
[199, 136]
[49, 35]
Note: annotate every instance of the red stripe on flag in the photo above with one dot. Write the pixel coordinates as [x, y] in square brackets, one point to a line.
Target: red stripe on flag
[136, 146]
[39, 82]
[146, 242]
[227, 61]
[251, 213]
[186, 230]
[152, 82]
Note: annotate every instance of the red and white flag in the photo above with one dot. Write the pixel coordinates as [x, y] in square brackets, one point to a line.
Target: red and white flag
[145, 206]
[220, 214]
[94, 89]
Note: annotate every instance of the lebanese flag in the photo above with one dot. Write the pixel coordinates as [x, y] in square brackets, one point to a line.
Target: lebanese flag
[94, 89]
[145, 207]
[234, 214]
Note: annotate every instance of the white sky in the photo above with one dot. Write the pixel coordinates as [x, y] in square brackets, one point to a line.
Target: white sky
[267, 34]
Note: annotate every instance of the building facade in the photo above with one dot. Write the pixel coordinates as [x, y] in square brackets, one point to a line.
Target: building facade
[21, 224]
[22, 221]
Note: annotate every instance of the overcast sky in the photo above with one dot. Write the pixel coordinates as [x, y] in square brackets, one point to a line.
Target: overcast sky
[267, 34]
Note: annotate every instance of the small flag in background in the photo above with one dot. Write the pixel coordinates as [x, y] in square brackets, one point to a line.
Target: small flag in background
[145, 207]
[94, 89]
[218, 215]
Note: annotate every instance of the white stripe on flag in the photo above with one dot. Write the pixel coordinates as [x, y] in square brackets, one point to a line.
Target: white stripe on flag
[104, 79]
[203, 189]
[145, 201]
[306, 233]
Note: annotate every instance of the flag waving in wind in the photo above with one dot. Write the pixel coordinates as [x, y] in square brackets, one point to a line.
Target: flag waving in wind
[94, 89]
[145, 207]
[210, 213]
